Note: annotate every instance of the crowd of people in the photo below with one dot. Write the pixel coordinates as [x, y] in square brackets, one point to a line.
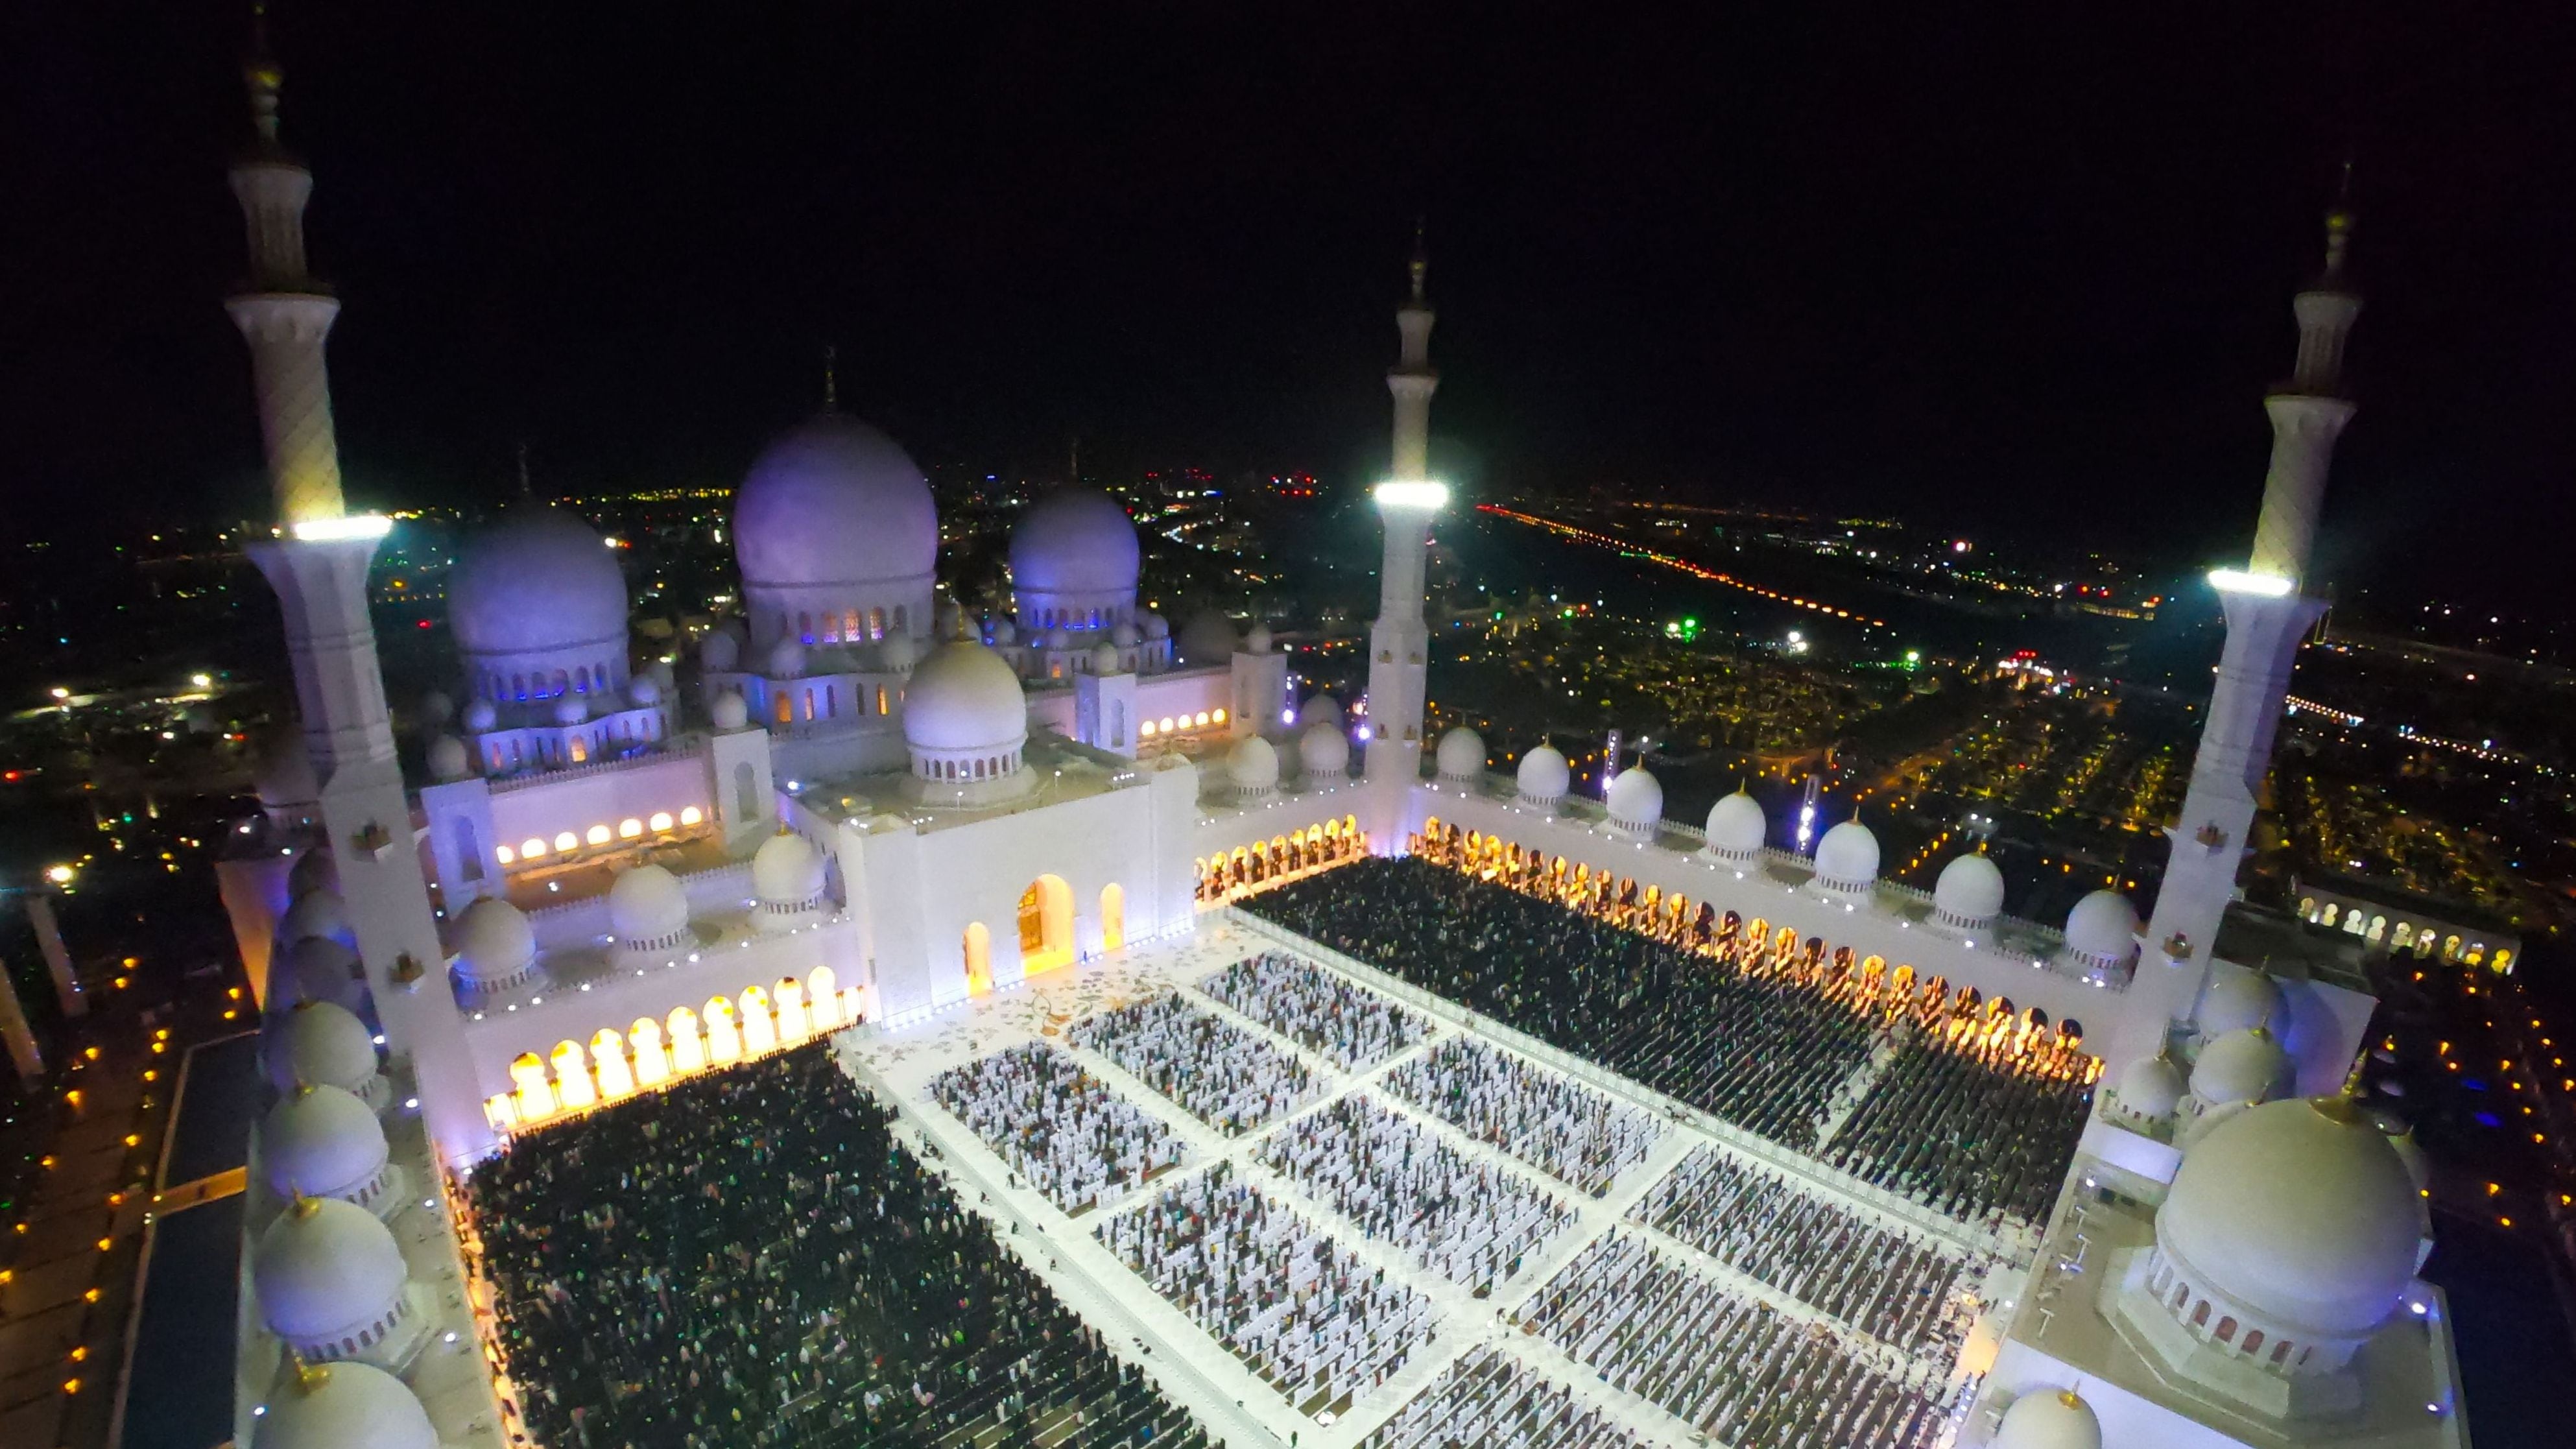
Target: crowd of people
[750, 1258]
[1940, 1125]
[1056, 1125]
[1349, 1026]
[1894, 1286]
[1305, 1313]
[1489, 1398]
[1217, 1072]
[1765, 1053]
[1471, 1223]
[1739, 1371]
[1574, 1134]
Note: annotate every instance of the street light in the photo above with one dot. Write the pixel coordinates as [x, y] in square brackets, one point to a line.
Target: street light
[202, 681]
[59, 874]
[60, 693]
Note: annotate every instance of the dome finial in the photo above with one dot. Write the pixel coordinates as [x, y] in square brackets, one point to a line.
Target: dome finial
[2339, 223]
[831, 377]
[526, 489]
[261, 72]
[1420, 267]
[309, 1376]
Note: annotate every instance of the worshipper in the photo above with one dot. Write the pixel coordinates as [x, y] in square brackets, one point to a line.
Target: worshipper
[1494, 1401]
[1570, 1132]
[1217, 1072]
[1349, 1026]
[1057, 1126]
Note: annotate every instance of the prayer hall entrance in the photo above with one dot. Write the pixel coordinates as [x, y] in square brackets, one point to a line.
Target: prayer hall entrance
[1113, 916]
[979, 959]
[1046, 925]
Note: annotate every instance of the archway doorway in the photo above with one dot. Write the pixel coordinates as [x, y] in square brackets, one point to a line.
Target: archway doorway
[1113, 916]
[1046, 925]
[979, 959]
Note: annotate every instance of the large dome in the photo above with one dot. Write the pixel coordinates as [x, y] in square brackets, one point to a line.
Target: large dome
[321, 1140]
[315, 1041]
[1544, 774]
[1636, 799]
[319, 913]
[325, 970]
[347, 1405]
[1737, 825]
[537, 581]
[834, 501]
[1076, 541]
[2239, 999]
[1254, 764]
[494, 941]
[2042, 1419]
[1461, 755]
[647, 904]
[2299, 1211]
[2103, 925]
[1970, 888]
[325, 1266]
[1847, 856]
[2242, 1066]
[787, 870]
[1323, 751]
[964, 696]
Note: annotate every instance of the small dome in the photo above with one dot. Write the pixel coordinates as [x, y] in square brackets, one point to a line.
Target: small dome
[324, 1266]
[448, 759]
[314, 870]
[1971, 888]
[1462, 754]
[1074, 541]
[1254, 764]
[325, 970]
[283, 768]
[644, 691]
[2238, 999]
[787, 659]
[1636, 799]
[2042, 1419]
[729, 712]
[1737, 825]
[538, 581]
[1323, 751]
[1208, 640]
[321, 1140]
[1847, 856]
[834, 501]
[346, 1405]
[1258, 641]
[1125, 635]
[315, 1041]
[1322, 709]
[494, 941]
[787, 870]
[1005, 632]
[1156, 627]
[897, 653]
[2299, 1211]
[647, 904]
[2242, 1066]
[319, 913]
[964, 697]
[2151, 1087]
[1543, 776]
[481, 717]
[572, 709]
[2103, 925]
[436, 709]
[1104, 659]
[721, 650]
[1059, 637]
[664, 677]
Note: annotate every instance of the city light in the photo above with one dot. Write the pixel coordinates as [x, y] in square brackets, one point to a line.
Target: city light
[1423, 494]
[202, 681]
[59, 692]
[59, 874]
[355, 525]
[2237, 581]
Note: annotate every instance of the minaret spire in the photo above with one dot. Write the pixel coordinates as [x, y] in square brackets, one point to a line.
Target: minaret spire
[831, 377]
[1400, 639]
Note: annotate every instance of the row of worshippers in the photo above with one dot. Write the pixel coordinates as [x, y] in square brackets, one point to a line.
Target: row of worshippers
[1303, 1312]
[1466, 1220]
[1898, 1287]
[1058, 1127]
[1738, 1371]
[1579, 1136]
[750, 1258]
[1492, 1400]
[1216, 1071]
[1350, 1026]
[1765, 1052]
[1964, 1135]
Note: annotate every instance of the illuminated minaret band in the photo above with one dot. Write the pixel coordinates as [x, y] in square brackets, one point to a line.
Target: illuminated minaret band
[317, 562]
[1407, 501]
[2268, 613]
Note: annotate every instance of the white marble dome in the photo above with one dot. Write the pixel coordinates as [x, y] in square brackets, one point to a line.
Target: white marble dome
[1125, 634]
[1737, 827]
[644, 691]
[1321, 709]
[897, 653]
[2048, 1419]
[323, 969]
[345, 1406]
[314, 870]
[834, 501]
[730, 712]
[1157, 627]
[1104, 659]
[2242, 1066]
[2238, 999]
[1059, 637]
[325, 1268]
[1461, 755]
[1074, 541]
[1323, 751]
[2151, 1087]
[1257, 641]
[787, 659]
[538, 581]
[436, 708]
[481, 716]
[721, 650]
[315, 1041]
[448, 759]
[1847, 857]
[2299, 1211]
[1254, 765]
[494, 943]
[2103, 927]
[964, 697]
[1970, 890]
[647, 904]
[321, 1141]
[1543, 775]
[572, 709]
[787, 870]
[1636, 801]
[317, 913]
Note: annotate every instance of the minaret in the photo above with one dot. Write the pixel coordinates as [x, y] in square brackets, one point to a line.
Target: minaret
[2268, 612]
[317, 562]
[1407, 500]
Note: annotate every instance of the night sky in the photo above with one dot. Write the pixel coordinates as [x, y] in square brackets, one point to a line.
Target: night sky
[2000, 268]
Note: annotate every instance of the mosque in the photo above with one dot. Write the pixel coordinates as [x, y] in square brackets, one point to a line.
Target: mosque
[857, 805]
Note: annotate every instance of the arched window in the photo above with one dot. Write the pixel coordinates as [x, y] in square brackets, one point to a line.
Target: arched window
[805, 627]
[563, 682]
[581, 680]
[2227, 1329]
[2253, 1340]
[2332, 911]
[2200, 1314]
[2280, 1351]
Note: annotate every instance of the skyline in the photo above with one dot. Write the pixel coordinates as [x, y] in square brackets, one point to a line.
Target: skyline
[1939, 280]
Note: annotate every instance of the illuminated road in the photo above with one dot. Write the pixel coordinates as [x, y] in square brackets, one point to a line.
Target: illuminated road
[1677, 564]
